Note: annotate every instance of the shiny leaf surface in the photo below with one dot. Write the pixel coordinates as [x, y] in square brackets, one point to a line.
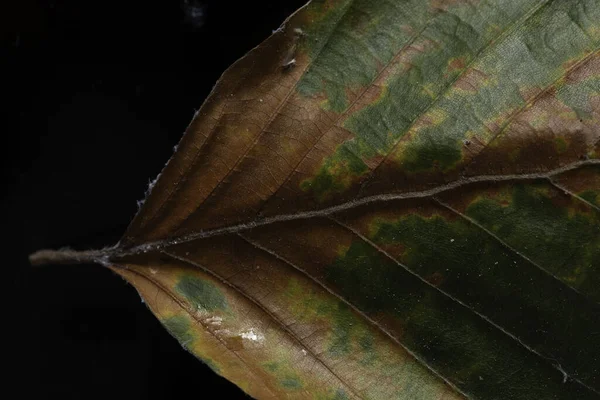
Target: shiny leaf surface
[389, 199]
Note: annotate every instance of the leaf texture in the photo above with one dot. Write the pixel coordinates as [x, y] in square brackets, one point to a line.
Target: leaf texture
[390, 199]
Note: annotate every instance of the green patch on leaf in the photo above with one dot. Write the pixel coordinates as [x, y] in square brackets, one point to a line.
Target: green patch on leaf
[328, 181]
[348, 335]
[291, 383]
[429, 151]
[354, 44]
[480, 92]
[179, 327]
[591, 196]
[551, 229]
[271, 366]
[340, 394]
[285, 374]
[449, 255]
[201, 293]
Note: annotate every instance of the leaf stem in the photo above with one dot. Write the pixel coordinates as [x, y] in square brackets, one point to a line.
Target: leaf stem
[68, 256]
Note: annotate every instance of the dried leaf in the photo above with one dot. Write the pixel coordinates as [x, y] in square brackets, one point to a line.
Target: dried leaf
[388, 199]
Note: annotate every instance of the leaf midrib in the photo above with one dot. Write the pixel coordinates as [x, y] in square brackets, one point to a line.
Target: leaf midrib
[328, 212]
[236, 229]
[349, 205]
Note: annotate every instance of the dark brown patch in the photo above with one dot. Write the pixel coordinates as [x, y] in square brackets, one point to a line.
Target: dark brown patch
[580, 180]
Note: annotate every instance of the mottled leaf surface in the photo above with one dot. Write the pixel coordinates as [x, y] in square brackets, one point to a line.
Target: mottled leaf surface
[390, 199]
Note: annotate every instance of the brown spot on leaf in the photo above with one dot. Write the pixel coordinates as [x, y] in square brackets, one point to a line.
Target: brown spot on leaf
[456, 64]
[587, 70]
[471, 80]
[234, 343]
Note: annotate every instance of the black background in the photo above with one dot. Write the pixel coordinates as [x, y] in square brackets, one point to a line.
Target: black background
[98, 94]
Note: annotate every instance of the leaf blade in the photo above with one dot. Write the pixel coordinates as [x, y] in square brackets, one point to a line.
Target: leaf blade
[392, 131]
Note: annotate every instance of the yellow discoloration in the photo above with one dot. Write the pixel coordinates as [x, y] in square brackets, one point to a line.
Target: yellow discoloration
[471, 82]
[457, 64]
[429, 90]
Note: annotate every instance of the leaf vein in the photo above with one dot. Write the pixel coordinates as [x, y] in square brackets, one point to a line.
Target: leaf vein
[490, 45]
[574, 195]
[505, 245]
[354, 308]
[555, 365]
[529, 103]
[274, 114]
[273, 317]
[193, 316]
[350, 205]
